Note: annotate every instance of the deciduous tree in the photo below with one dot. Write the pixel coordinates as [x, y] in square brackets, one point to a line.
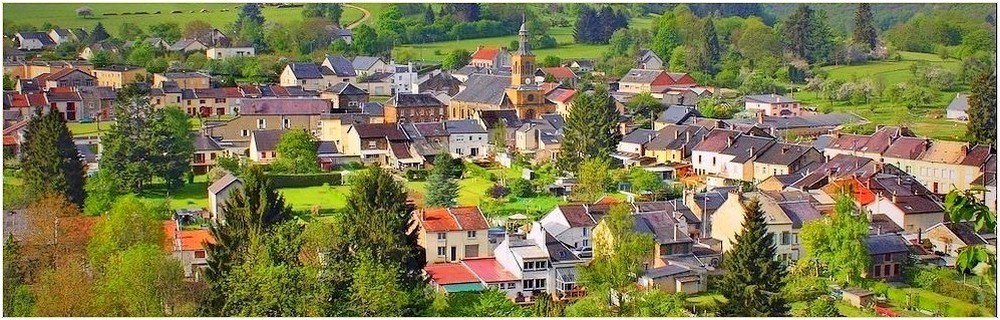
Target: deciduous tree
[836, 243]
[296, 153]
[130, 222]
[141, 281]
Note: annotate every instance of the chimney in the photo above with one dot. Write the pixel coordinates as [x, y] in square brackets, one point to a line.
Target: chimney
[751, 151]
[729, 141]
[878, 230]
[677, 134]
[760, 117]
[687, 136]
[894, 197]
[965, 150]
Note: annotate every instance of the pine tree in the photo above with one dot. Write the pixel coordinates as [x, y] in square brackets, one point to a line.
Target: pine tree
[591, 129]
[586, 24]
[711, 49]
[754, 279]
[51, 162]
[255, 208]
[98, 34]
[982, 126]
[429, 15]
[864, 29]
[441, 186]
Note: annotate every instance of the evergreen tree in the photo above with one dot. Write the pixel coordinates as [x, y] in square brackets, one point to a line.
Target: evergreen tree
[807, 35]
[51, 162]
[255, 208]
[249, 25]
[467, 12]
[591, 129]
[98, 34]
[982, 126]
[429, 15]
[442, 189]
[711, 50]
[864, 27]
[586, 24]
[376, 219]
[754, 279]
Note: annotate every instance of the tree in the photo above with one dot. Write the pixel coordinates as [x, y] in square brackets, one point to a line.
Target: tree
[593, 179]
[85, 12]
[366, 40]
[498, 138]
[256, 208]
[456, 59]
[836, 244]
[271, 281]
[806, 34]
[376, 196]
[619, 254]
[101, 193]
[296, 153]
[467, 12]
[442, 189]
[823, 307]
[757, 41]
[330, 11]
[100, 59]
[197, 29]
[711, 51]
[983, 109]
[591, 129]
[168, 31]
[17, 299]
[49, 242]
[967, 206]
[551, 61]
[644, 180]
[130, 222]
[195, 61]
[645, 105]
[864, 28]
[249, 26]
[494, 303]
[51, 163]
[66, 291]
[666, 36]
[98, 34]
[375, 291]
[141, 281]
[585, 29]
[754, 278]
[429, 15]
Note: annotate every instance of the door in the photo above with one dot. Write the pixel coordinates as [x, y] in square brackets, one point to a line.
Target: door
[454, 253]
[474, 152]
[70, 111]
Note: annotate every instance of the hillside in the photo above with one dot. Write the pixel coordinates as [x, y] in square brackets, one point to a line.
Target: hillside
[841, 15]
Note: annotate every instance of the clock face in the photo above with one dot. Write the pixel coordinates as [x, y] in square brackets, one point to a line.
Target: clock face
[527, 80]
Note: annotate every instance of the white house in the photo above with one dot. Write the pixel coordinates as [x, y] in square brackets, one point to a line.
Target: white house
[219, 191]
[573, 224]
[774, 105]
[404, 78]
[526, 260]
[222, 53]
[707, 157]
[958, 107]
[33, 40]
[467, 138]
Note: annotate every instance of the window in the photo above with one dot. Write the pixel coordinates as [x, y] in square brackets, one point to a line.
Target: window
[245, 132]
[887, 257]
[220, 100]
[885, 270]
[261, 123]
[471, 234]
[471, 250]
[585, 231]
[511, 285]
[527, 284]
[586, 243]
[786, 238]
[199, 254]
[263, 155]
[713, 161]
[699, 158]
[441, 251]
[202, 101]
[371, 144]
[878, 271]
[442, 236]
[287, 123]
[895, 269]
[212, 156]
[189, 101]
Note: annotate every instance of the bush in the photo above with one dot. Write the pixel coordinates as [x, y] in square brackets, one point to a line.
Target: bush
[497, 191]
[520, 188]
[416, 174]
[804, 288]
[480, 172]
[353, 165]
[304, 180]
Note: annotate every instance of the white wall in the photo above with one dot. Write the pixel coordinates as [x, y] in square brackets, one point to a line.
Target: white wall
[461, 144]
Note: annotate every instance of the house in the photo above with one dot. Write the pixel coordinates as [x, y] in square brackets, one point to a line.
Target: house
[563, 98]
[673, 143]
[218, 193]
[188, 45]
[675, 114]
[271, 113]
[13, 55]
[346, 97]
[988, 183]
[264, 145]
[25, 104]
[686, 96]
[414, 107]
[947, 165]
[34, 68]
[647, 59]
[429, 138]
[951, 237]
[117, 76]
[452, 278]
[802, 126]
[839, 167]
[335, 33]
[67, 100]
[343, 69]
[366, 65]
[68, 77]
[494, 275]
[96, 103]
[858, 297]
[385, 143]
[904, 200]
[784, 158]
[333, 127]
[490, 58]
[652, 80]
[452, 234]
[34, 40]
[229, 52]
[631, 149]
[958, 108]
[870, 146]
[187, 246]
[785, 214]
[563, 264]
[376, 83]
[107, 46]
[707, 157]
[494, 119]
[888, 254]
[206, 153]
[582, 65]
[773, 105]
[438, 81]
[704, 205]
[183, 80]
[311, 76]
[573, 224]
[527, 260]
[404, 78]
[65, 35]
[541, 138]
[467, 138]
[562, 75]
[739, 156]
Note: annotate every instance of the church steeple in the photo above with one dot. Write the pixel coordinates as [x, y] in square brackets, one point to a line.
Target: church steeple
[523, 39]
[522, 67]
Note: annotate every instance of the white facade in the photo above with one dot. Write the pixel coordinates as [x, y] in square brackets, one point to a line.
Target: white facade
[713, 163]
[29, 44]
[404, 79]
[911, 223]
[469, 145]
[223, 53]
[532, 269]
[577, 237]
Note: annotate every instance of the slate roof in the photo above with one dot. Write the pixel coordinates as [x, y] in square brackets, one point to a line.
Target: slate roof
[222, 183]
[29, 85]
[966, 232]
[800, 212]
[882, 224]
[346, 88]
[782, 123]
[425, 129]
[959, 103]
[886, 243]
[746, 147]
[906, 148]
[340, 66]
[783, 153]
[364, 62]
[666, 271]
[288, 106]
[119, 68]
[373, 108]
[60, 94]
[639, 136]
[661, 225]
[677, 114]
[839, 166]
[484, 88]
[558, 251]
[39, 35]
[184, 75]
[770, 98]
[267, 140]
[183, 43]
[306, 70]
[673, 137]
[712, 200]
[205, 143]
[464, 126]
[641, 76]
[584, 63]
[492, 117]
[408, 100]
[716, 140]
[379, 130]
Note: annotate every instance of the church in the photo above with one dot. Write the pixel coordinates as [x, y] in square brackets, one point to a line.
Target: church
[518, 91]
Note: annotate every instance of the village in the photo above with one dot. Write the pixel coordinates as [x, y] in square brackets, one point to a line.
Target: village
[493, 183]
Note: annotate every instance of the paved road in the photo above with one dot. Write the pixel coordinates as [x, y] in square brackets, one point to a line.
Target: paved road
[367, 14]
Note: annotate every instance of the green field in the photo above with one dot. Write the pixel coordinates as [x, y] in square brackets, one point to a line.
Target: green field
[64, 14]
[925, 120]
[90, 129]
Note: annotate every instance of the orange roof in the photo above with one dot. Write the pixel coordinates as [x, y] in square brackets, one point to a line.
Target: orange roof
[9, 141]
[27, 100]
[450, 273]
[488, 269]
[485, 53]
[560, 72]
[561, 95]
[861, 194]
[606, 199]
[191, 240]
[454, 219]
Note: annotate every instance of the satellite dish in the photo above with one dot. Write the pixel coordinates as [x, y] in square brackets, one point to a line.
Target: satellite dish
[527, 80]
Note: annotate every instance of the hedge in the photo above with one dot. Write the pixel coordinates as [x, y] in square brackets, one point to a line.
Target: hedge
[281, 180]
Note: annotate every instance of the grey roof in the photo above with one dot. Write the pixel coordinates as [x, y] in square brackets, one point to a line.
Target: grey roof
[554, 119]
[770, 98]
[800, 212]
[306, 70]
[464, 126]
[373, 108]
[284, 106]
[484, 88]
[346, 88]
[886, 243]
[822, 141]
[661, 225]
[340, 66]
[267, 140]
[641, 75]
[780, 123]
[881, 223]
[101, 93]
[712, 200]
[966, 232]
[745, 147]
[666, 271]
[205, 143]
[29, 85]
[492, 117]
[558, 251]
[364, 62]
[222, 183]
[326, 147]
[550, 136]
[38, 35]
[183, 43]
[783, 153]
[469, 70]
[677, 114]
[960, 103]
[584, 63]
[645, 55]
[639, 136]
[403, 100]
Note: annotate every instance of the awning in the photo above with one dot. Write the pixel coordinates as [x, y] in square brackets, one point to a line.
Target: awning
[463, 287]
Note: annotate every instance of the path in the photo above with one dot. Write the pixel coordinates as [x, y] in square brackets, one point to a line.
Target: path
[366, 14]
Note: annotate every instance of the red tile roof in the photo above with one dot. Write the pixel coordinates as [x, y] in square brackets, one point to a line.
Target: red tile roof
[191, 240]
[560, 72]
[453, 219]
[470, 218]
[861, 194]
[561, 95]
[489, 270]
[450, 273]
[485, 53]
[26, 100]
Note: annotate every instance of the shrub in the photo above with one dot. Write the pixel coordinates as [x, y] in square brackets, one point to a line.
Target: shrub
[480, 172]
[416, 174]
[804, 288]
[520, 188]
[353, 165]
[497, 191]
[304, 180]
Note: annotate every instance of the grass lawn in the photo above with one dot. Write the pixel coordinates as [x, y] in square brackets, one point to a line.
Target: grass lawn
[64, 14]
[566, 49]
[925, 120]
[932, 301]
[327, 198]
[706, 299]
[89, 129]
[190, 195]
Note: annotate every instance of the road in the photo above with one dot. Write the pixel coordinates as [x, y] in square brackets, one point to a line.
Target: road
[366, 14]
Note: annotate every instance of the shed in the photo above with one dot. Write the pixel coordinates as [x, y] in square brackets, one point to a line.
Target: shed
[859, 297]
